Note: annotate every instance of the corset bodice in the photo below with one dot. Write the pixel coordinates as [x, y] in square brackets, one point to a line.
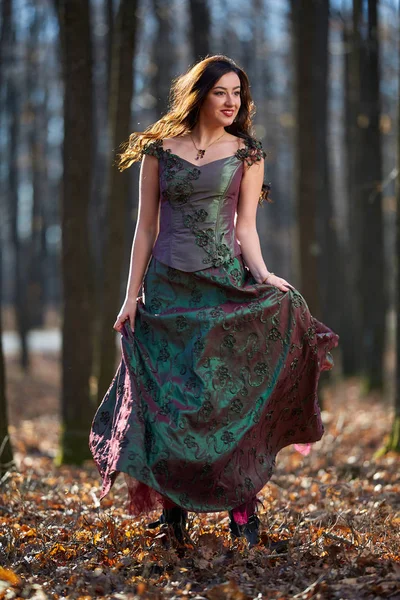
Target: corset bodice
[198, 207]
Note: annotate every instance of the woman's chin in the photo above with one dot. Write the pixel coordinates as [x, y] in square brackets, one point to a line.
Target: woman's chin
[225, 121]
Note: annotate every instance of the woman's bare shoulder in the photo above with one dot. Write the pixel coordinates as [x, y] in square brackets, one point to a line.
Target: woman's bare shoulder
[240, 142]
[177, 138]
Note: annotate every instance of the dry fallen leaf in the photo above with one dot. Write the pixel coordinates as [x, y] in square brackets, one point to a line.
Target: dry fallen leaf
[322, 517]
[226, 591]
[9, 576]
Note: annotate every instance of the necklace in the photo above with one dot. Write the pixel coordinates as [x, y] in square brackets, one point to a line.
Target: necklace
[201, 153]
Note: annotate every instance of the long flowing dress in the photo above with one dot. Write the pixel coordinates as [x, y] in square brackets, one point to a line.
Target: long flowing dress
[221, 372]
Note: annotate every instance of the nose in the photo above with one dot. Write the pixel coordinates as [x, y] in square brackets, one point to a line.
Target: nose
[229, 101]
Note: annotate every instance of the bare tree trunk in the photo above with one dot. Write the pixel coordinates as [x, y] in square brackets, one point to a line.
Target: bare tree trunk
[35, 267]
[13, 110]
[365, 274]
[269, 219]
[101, 157]
[200, 28]
[20, 295]
[77, 410]
[393, 443]
[304, 16]
[373, 279]
[351, 334]
[164, 61]
[329, 260]
[394, 440]
[109, 14]
[6, 453]
[120, 115]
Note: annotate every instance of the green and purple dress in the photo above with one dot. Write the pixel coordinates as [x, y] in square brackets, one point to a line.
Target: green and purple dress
[221, 372]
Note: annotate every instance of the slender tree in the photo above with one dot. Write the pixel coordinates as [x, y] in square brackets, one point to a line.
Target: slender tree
[20, 287]
[364, 342]
[76, 50]
[200, 28]
[259, 71]
[109, 19]
[393, 442]
[6, 454]
[124, 35]
[305, 24]
[351, 333]
[163, 62]
[330, 260]
[36, 140]
[101, 159]
[373, 277]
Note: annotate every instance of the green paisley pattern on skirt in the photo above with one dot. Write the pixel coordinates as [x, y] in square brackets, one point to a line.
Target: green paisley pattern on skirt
[220, 374]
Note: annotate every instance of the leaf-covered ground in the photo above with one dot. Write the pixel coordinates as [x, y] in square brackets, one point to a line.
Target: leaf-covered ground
[330, 521]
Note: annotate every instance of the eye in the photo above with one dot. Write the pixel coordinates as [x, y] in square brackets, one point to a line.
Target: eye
[218, 93]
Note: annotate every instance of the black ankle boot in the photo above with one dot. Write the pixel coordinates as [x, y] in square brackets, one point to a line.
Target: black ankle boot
[249, 530]
[176, 517]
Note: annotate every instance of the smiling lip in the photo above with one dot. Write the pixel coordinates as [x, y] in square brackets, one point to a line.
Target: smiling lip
[228, 113]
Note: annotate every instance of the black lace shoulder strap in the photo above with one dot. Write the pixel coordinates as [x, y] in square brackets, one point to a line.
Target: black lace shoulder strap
[252, 152]
[153, 148]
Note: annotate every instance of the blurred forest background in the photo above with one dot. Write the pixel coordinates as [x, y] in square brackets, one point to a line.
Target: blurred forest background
[77, 77]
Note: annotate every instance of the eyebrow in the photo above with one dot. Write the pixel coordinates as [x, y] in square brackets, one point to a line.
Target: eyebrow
[224, 88]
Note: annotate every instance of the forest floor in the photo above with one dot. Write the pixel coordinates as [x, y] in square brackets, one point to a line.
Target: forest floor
[330, 520]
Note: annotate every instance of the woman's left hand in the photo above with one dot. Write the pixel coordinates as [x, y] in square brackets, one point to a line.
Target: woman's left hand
[280, 283]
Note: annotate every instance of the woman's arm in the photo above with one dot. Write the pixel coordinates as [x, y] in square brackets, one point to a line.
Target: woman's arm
[246, 228]
[146, 232]
[147, 225]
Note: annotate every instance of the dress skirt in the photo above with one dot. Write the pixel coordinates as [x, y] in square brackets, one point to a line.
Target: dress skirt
[220, 374]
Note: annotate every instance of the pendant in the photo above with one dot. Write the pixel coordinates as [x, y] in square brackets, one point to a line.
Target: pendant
[200, 154]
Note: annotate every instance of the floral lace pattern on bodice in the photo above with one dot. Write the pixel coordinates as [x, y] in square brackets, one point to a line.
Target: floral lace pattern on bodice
[251, 152]
[178, 179]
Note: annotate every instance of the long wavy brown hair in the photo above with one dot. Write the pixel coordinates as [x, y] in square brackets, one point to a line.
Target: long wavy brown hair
[187, 94]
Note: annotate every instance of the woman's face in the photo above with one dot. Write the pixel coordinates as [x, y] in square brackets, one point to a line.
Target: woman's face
[222, 103]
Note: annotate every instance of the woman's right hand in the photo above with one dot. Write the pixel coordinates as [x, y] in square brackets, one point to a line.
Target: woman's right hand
[128, 311]
[280, 283]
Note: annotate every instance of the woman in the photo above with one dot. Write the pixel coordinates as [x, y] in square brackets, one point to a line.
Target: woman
[220, 357]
